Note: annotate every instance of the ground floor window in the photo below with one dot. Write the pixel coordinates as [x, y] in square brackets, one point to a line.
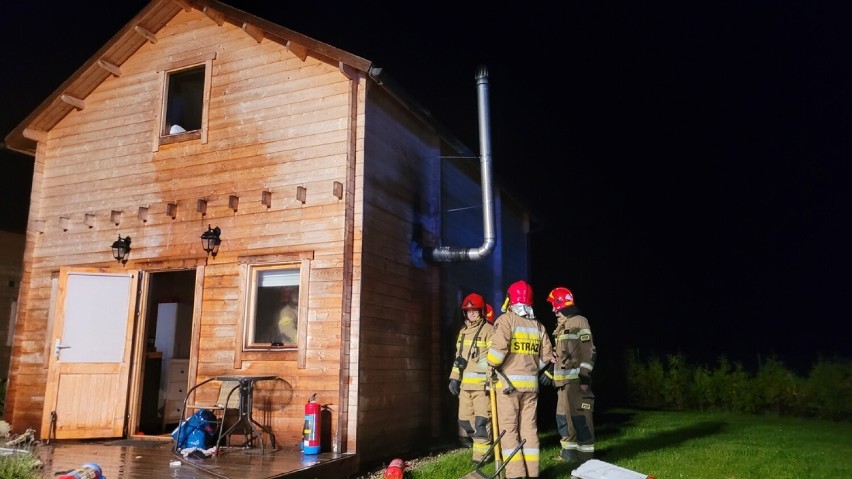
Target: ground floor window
[273, 308]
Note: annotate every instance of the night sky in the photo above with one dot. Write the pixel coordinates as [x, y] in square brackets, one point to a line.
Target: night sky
[687, 163]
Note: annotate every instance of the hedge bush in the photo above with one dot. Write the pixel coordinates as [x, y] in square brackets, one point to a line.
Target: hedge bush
[672, 382]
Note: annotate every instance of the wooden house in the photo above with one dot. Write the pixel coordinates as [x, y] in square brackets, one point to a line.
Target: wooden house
[312, 174]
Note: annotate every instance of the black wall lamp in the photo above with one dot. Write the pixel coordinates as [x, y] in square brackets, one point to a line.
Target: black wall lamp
[210, 240]
[121, 248]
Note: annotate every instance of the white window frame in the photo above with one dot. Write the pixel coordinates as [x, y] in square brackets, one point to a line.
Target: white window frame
[289, 276]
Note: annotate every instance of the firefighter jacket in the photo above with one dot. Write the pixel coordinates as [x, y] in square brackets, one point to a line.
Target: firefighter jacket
[575, 349]
[520, 348]
[472, 346]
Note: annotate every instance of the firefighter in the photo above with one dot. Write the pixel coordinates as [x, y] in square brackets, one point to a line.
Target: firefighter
[468, 376]
[520, 350]
[572, 378]
[288, 315]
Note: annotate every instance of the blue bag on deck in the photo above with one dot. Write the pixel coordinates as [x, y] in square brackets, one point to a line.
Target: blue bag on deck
[198, 431]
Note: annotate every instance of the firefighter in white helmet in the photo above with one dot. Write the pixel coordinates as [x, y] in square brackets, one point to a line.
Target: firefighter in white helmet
[468, 376]
[520, 350]
[572, 378]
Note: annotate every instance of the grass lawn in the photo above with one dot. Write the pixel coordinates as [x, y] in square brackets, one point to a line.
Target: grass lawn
[690, 445]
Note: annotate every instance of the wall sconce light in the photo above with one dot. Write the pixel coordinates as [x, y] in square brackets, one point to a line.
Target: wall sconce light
[121, 248]
[210, 240]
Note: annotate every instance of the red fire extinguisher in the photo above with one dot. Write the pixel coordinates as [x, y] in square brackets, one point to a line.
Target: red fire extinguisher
[311, 437]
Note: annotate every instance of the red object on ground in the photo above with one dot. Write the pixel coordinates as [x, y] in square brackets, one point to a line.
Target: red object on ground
[396, 469]
[89, 470]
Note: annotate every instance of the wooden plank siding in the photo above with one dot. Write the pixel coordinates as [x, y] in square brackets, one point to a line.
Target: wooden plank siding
[397, 312]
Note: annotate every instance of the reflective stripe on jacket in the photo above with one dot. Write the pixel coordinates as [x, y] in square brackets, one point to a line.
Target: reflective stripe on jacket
[472, 345]
[520, 347]
[575, 349]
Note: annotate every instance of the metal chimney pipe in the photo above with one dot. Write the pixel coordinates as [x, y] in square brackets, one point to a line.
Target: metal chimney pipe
[458, 254]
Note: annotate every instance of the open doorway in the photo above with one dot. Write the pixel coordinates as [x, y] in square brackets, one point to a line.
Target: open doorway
[167, 340]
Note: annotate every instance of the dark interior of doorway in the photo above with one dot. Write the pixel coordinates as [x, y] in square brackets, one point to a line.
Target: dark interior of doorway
[168, 336]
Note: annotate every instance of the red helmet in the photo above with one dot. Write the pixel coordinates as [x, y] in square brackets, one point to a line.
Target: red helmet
[561, 298]
[473, 301]
[520, 292]
[489, 313]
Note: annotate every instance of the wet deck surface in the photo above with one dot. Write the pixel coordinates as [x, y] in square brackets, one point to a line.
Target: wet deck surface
[156, 459]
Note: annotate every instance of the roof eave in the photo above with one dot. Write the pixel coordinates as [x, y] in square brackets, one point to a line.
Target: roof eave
[85, 79]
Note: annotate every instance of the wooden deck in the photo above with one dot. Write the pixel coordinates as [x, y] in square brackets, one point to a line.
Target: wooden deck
[153, 459]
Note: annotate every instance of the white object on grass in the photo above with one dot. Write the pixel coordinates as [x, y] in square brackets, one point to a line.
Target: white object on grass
[595, 469]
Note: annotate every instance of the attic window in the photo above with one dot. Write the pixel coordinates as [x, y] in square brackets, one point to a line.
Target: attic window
[185, 98]
[184, 101]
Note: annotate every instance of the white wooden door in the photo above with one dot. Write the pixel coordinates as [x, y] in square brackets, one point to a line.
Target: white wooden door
[87, 389]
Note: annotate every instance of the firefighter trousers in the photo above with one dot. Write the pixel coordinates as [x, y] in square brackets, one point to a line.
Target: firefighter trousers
[582, 406]
[516, 414]
[564, 424]
[475, 420]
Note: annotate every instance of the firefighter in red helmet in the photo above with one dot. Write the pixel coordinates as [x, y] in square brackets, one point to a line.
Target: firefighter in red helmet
[489, 313]
[572, 378]
[520, 350]
[468, 376]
